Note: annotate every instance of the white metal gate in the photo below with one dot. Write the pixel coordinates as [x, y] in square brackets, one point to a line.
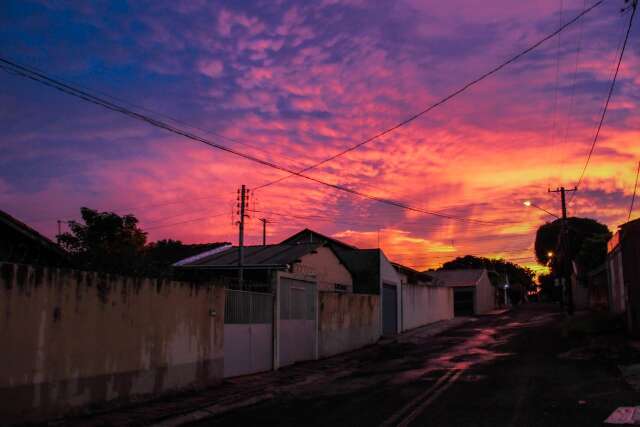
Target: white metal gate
[248, 332]
[298, 331]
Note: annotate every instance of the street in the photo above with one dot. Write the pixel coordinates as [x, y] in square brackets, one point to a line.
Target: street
[494, 371]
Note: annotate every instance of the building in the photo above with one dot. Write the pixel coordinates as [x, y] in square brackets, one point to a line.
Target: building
[372, 273]
[278, 325]
[473, 292]
[20, 243]
[423, 301]
[623, 265]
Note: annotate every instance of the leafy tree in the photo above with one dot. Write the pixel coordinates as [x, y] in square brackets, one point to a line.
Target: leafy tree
[105, 241]
[587, 243]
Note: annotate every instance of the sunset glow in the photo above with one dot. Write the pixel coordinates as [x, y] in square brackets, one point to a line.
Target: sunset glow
[294, 84]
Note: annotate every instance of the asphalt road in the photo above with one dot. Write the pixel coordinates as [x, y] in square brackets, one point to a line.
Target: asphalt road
[492, 371]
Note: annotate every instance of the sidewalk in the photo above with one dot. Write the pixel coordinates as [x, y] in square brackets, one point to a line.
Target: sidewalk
[249, 390]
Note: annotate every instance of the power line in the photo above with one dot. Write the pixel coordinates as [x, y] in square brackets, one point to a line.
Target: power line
[43, 79]
[633, 198]
[187, 221]
[606, 104]
[443, 100]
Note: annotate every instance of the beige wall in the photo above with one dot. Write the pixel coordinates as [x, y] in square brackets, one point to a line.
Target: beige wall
[485, 299]
[422, 305]
[347, 322]
[327, 269]
[71, 338]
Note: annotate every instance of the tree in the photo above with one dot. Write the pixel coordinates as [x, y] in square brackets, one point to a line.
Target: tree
[587, 243]
[105, 242]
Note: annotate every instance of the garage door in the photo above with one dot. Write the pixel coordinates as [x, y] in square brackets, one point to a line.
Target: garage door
[463, 301]
[389, 310]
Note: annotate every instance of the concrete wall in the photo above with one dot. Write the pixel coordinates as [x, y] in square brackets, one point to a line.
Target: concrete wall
[327, 269]
[73, 338]
[422, 305]
[389, 276]
[347, 322]
[485, 295]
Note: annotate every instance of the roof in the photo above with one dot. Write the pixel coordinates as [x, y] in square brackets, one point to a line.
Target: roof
[413, 276]
[309, 236]
[255, 257]
[31, 234]
[459, 278]
[364, 266]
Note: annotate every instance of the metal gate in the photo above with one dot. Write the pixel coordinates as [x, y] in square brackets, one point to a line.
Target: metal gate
[248, 332]
[389, 310]
[297, 321]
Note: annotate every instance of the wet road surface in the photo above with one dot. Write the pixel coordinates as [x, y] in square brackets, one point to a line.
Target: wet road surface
[492, 371]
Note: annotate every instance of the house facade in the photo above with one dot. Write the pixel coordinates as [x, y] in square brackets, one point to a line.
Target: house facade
[473, 293]
[623, 265]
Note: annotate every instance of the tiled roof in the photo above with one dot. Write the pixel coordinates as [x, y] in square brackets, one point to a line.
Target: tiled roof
[458, 278]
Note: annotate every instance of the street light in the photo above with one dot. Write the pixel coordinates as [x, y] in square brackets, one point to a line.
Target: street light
[529, 203]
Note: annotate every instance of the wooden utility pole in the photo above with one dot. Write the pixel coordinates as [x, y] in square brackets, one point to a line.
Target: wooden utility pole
[243, 197]
[264, 222]
[565, 245]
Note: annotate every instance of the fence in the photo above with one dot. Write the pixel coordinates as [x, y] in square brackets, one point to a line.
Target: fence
[243, 307]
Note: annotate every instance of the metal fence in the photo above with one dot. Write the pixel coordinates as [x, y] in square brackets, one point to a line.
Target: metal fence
[247, 307]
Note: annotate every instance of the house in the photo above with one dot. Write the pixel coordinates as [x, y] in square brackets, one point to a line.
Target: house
[623, 264]
[473, 292]
[278, 325]
[20, 243]
[372, 273]
[423, 300]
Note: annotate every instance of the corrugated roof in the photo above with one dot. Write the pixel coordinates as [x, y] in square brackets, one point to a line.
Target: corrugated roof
[265, 256]
[309, 236]
[458, 278]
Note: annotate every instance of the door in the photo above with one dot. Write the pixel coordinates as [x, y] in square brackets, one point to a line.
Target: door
[389, 310]
[463, 302]
[248, 336]
[297, 321]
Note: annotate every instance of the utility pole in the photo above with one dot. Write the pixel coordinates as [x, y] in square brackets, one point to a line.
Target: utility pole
[264, 222]
[243, 197]
[565, 245]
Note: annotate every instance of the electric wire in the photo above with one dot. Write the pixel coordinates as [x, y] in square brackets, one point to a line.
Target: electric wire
[443, 100]
[606, 104]
[6, 64]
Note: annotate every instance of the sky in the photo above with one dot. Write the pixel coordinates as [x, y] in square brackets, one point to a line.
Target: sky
[294, 83]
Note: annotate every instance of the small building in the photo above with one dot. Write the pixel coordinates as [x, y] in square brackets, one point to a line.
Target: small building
[473, 293]
[278, 325]
[372, 273]
[423, 301]
[623, 265]
[20, 243]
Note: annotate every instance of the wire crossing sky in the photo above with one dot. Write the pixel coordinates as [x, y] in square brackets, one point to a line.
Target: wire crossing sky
[290, 84]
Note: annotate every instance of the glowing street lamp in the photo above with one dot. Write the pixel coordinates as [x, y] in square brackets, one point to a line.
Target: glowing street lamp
[529, 203]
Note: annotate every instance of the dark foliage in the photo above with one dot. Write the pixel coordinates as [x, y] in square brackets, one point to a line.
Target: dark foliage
[587, 243]
[110, 243]
[105, 242]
